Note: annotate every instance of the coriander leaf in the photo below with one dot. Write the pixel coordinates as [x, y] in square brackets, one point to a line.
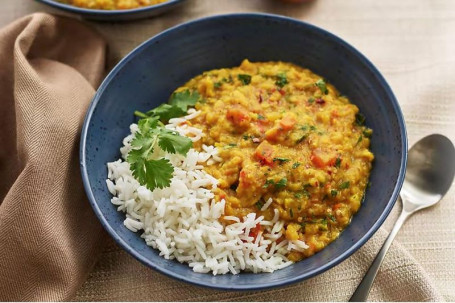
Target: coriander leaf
[184, 99]
[359, 140]
[177, 106]
[345, 185]
[217, 84]
[261, 117]
[154, 173]
[322, 86]
[282, 183]
[301, 139]
[267, 183]
[165, 112]
[281, 80]
[295, 165]
[259, 204]
[332, 217]
[306, 193]
[338, 162]
[298, 195]
[311, 100]
[151, 173]
[244, 78]
[281, 160]
[174, 143]
[291, 213]
[334, 192]
[359, 119]
[158, 173]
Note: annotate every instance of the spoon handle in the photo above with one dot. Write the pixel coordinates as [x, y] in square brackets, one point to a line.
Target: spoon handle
[362, 291]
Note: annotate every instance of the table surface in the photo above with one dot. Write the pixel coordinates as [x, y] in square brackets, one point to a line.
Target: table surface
[412, 44]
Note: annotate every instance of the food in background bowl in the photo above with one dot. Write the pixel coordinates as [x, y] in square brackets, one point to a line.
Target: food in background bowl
[247, 168]
[111, 4]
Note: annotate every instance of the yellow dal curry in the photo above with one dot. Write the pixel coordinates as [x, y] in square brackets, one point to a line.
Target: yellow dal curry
[284, 133]
[111, 4]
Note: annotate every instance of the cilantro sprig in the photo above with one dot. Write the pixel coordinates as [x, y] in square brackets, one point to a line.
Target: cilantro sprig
[147, 166]
[177, 106]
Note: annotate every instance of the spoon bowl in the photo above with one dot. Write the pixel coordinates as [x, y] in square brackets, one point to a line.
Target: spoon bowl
[431, 167]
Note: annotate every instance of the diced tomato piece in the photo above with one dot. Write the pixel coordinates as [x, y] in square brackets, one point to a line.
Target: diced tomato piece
[317, 161]
[243, 178]
[288, 122]
[336, 206]
[332, 161]
[264, 153]
[282, 92]
[238, 116]
[254, 232]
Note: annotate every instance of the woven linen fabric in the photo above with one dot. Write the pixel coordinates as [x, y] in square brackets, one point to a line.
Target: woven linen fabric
[49, 236]
[411, 42]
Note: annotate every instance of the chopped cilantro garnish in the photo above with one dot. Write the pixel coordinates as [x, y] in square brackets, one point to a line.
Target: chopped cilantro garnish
[298, 195]
[268, 182]
[301, 139]
[291, 213]
[345, 185]
[338, 162]
[332, 217]
[281, 160]
[217, 84]
[311, 100]
[359, 140]
[295, 165]
[312, 127]
[322, 86]
[359, 119]
[323, 222]
[306, 193]
[259, 204]
[281, 80]
[246, 137]
[261, 117]
[230, 145]
[334, 192]
[282, 183]
[244, 78]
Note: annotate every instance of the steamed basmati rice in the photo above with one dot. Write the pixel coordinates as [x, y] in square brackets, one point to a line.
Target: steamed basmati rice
[182, 221]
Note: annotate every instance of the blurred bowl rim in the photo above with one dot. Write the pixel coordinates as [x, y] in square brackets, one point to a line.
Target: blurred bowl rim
[116, 12]
[337, 259]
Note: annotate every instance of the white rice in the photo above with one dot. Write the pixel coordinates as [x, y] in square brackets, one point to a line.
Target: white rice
[182, 221]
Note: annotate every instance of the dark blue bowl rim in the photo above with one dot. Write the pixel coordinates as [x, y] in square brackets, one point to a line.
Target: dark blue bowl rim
[338, 259]
[118, 12]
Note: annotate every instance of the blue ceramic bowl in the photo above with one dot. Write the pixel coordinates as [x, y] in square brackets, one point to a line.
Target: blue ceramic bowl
[148, 75]
[115, 15]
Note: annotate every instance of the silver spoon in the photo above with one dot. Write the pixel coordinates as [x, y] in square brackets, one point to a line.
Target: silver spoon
[429, 175]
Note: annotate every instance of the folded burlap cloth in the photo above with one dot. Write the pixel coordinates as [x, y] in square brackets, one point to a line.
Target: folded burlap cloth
[49, 236]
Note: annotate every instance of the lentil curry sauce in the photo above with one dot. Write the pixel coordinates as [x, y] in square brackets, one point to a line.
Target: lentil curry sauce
[286, 134]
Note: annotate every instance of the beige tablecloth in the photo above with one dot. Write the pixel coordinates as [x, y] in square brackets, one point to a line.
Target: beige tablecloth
[412, 44]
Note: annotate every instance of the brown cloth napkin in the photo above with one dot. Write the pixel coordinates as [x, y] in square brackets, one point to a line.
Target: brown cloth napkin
[49, 236]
